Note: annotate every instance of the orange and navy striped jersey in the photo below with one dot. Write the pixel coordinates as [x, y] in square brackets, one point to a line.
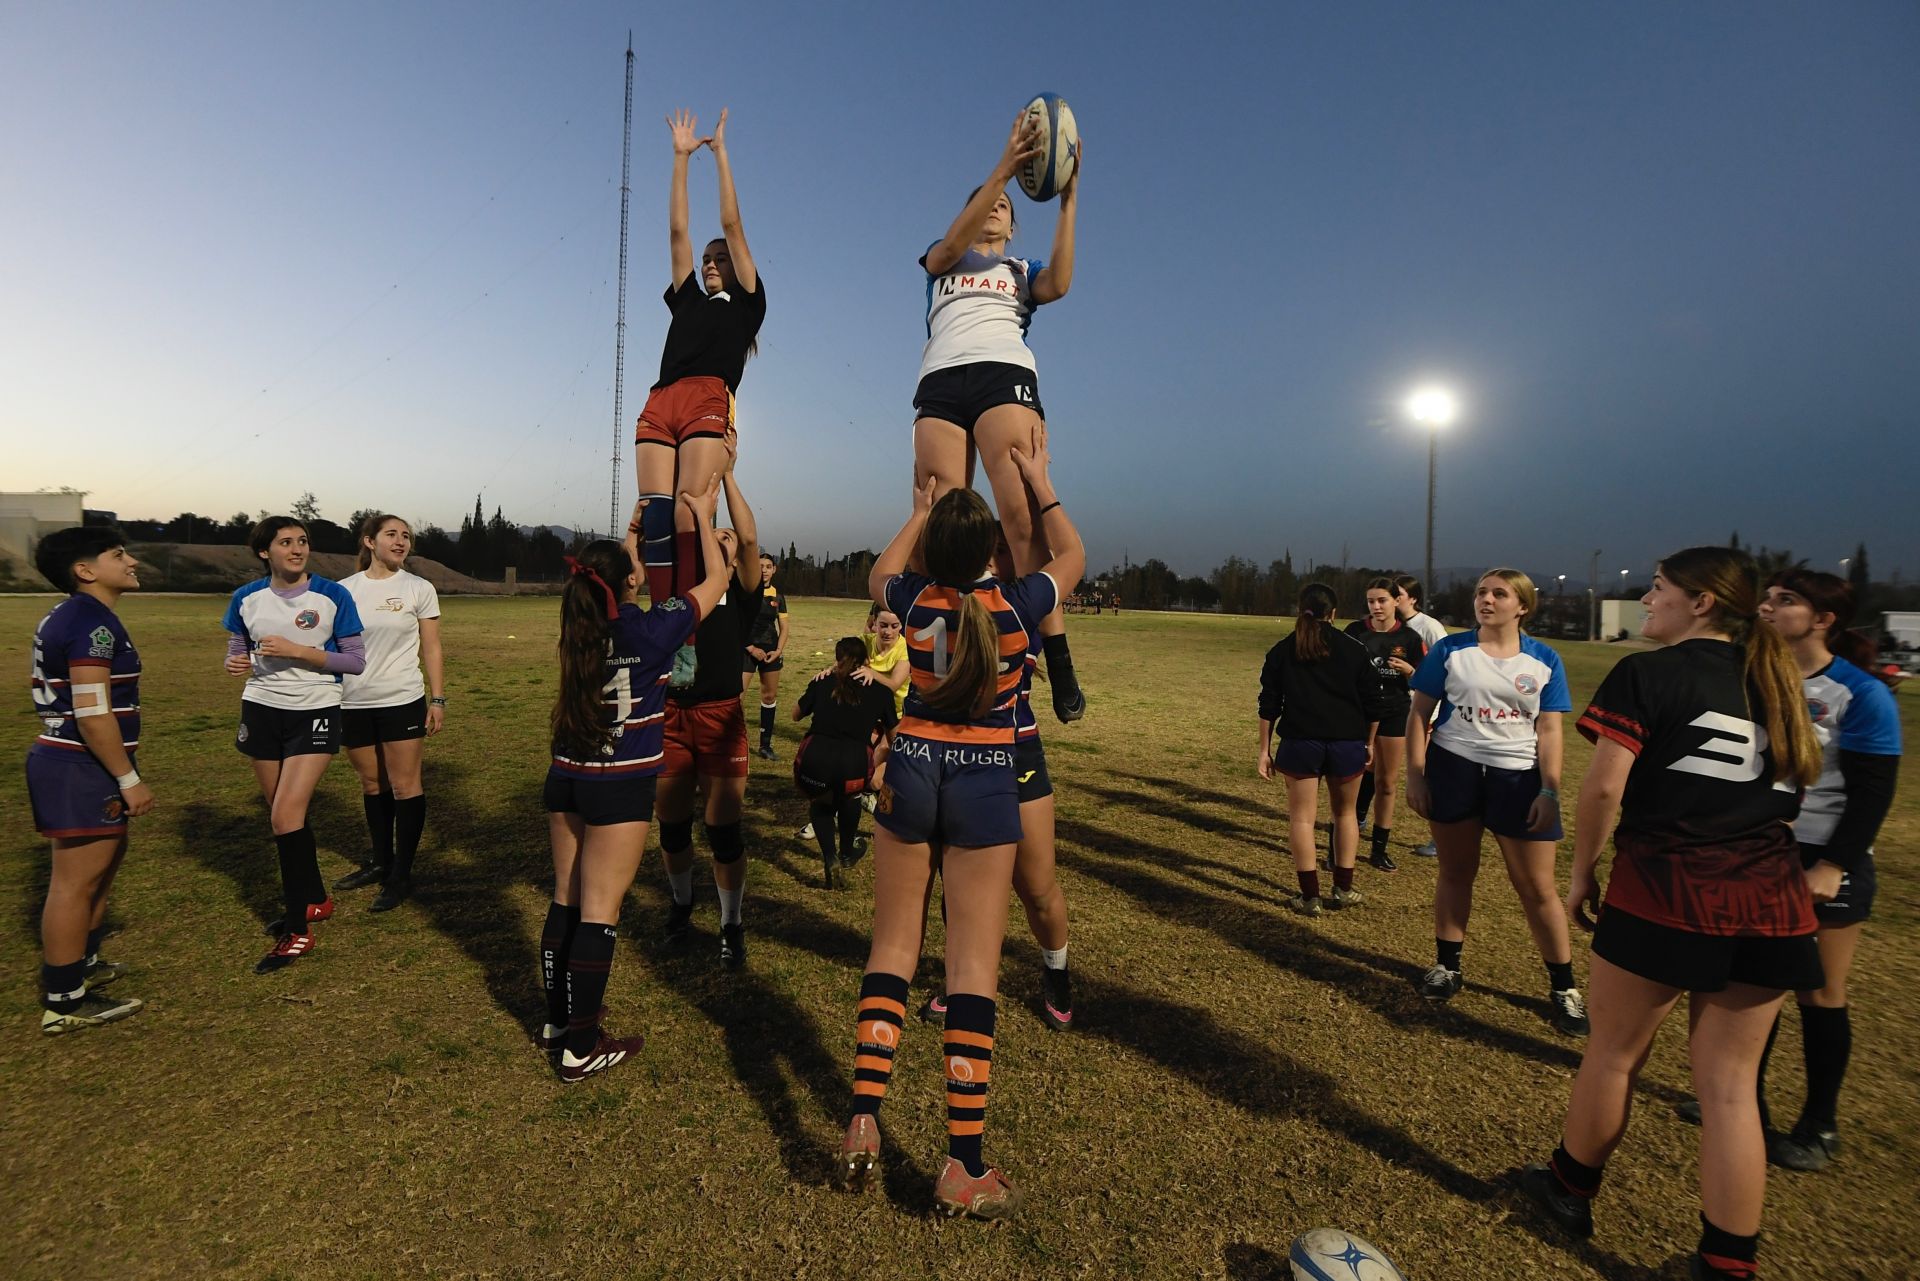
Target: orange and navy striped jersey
[930, 616]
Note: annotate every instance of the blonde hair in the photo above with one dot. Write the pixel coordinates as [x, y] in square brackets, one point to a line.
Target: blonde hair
[1523, 587]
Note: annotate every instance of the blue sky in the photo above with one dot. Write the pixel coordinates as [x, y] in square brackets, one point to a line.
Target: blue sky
[1665, 253]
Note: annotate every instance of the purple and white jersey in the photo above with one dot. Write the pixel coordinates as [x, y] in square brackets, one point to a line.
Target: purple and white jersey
[82, 640]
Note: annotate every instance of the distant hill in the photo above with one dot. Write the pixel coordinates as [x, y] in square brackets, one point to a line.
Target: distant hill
[198, 567]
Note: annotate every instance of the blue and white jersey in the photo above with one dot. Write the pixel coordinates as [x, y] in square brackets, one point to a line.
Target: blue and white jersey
[318, 614]
[1488, 705]
[1853, 711]
[979, 312]
[81, 640]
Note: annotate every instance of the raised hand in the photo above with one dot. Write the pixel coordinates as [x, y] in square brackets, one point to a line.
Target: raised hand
[718, 142]
[1023, 144]
[923, 497]
[706, 502]
[686, 136]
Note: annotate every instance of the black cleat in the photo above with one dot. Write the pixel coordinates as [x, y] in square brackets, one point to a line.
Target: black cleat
[733, 945]
[1381, 861]
[1056, 998]
[1569, 1012]
[1805, 1148]
[392, 895]
[367, 874]
[1440, 983]
[935, 1010]
[679, 929]
[766, 752]
[1573, 1214]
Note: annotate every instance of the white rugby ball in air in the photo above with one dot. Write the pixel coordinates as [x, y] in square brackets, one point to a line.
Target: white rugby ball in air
[1330, 1254]
[1042, 176]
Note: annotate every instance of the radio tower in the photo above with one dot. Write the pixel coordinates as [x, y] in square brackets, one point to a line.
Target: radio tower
[620, 322]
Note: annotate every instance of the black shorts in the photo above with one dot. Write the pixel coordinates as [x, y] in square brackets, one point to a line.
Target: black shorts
[275, 733]
[1854, 902]
[749, 664]
[1394, 724]
[1030, 770]
[365, 726]
[601, 802]
[964, 392]
[1464, 791]
[1706, 962]
[832, 767]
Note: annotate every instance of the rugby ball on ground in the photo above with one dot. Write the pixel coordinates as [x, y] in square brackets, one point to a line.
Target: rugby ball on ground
[1042, 176]
[1329, 1254]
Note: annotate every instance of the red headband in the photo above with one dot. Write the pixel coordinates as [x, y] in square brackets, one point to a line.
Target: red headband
[580, 569]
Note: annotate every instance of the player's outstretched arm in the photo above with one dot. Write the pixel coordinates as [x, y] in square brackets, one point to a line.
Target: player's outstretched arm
[1063, 540]
[710, 589]
[730, 227]
[1056, 277]
[893, 560]
[1023, 143]
[686, 141]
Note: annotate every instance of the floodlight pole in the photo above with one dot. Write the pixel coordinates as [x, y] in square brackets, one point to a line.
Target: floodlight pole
[1433, 451]
[1593, 598]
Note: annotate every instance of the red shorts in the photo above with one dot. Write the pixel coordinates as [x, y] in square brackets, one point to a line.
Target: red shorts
[709, 739]
[684, 409]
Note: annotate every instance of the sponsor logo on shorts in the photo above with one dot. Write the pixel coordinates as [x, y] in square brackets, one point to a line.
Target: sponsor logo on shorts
[242, 736]
[113, 809]
[1028, 776]
[319, 727]
[306, 620]
[1527, 684]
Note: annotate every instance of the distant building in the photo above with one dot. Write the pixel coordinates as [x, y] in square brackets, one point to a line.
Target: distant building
[1617, 616]
[27, 518]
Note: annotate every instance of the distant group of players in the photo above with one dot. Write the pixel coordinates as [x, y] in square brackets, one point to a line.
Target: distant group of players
[1727, 885]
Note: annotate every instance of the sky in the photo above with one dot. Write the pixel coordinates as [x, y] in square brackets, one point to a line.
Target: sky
[1664, 254]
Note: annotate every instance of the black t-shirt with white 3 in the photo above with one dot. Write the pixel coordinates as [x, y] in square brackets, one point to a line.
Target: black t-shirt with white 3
[710, 333]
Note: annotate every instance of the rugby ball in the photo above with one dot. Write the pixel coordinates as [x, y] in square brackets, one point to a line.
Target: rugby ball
[1042, 176]
[1329, 1254]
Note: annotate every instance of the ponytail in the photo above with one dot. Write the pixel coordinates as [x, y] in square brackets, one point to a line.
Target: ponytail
[1771, 673]
[1313, 617]
[1830, 594]
[956, 546]
[848, 657]
[588, 603]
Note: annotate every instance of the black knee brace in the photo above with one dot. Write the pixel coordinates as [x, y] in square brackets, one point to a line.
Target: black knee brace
[676, 835]
[726, 842]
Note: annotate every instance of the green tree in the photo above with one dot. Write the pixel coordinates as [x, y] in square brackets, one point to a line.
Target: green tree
[306, 508]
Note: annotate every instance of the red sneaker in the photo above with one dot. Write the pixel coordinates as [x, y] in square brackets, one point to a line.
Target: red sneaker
[858, 1151]
[315, 912]
[988, 1197]
[608, 1051]
[289, 949]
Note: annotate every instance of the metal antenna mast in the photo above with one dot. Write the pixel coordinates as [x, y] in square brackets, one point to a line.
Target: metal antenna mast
[620, 323]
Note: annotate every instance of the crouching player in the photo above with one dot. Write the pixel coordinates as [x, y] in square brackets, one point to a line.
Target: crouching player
[81, 778]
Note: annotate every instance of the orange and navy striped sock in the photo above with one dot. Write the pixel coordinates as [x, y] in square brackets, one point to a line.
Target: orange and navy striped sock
[969, 1046]
[883, 1013]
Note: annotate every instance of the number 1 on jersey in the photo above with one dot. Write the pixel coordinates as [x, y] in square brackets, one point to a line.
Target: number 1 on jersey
[936, 632]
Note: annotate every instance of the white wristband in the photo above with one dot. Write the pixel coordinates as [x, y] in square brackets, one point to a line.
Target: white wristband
[128, 780]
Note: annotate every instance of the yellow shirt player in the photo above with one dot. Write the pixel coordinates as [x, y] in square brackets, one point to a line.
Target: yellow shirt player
[887, 654]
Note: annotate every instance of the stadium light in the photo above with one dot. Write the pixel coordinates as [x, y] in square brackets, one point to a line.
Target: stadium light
[1433, 408]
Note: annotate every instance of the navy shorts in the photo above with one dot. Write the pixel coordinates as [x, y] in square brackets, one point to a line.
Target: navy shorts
[1706, 962]
[1854, 902]
[1337, 758]
[1030, 770]
[950, 793]
[1465, 792]
[73, 795]
[275, 733]
[962, 393]
[365, 726]
[601, 802]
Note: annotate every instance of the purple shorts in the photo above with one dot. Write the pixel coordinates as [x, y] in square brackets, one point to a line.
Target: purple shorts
[1337, 758]
[73, 795]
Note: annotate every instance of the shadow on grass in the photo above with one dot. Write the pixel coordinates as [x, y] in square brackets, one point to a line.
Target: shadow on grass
[235, 839]
[1255, 1263]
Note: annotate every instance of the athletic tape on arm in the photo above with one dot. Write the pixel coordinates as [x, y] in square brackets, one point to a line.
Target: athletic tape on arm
[100, 706]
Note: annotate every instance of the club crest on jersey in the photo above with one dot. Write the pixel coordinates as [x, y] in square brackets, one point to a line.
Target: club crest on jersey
[1527, 683]
[306, 620]
[672, 603]
[102, 643]
[391, 605]
[1817, 709]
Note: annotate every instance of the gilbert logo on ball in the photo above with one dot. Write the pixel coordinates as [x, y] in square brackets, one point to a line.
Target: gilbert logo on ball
[1331, 1254]
[1042, 176]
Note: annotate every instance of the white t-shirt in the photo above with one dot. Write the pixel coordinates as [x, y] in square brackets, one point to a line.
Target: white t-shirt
[1488, 705]
[1427, 628]
[391, 609]
[318, 614]
[979, 312]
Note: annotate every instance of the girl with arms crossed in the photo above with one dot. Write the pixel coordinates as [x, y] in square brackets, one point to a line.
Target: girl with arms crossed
[293, 635]
[1700, 749]
[599, 793]
[1492, 763]
[81, 779]
[979, 392]
[951, 796]
[386, 714]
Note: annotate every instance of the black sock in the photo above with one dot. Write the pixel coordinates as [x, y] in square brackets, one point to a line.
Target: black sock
[849, 822]
[766, 723]
[62, 986]
[1560, 974]
[1342, 878]
[969, 1047]
[1728, 1255]
[821, 815]
[1826, 1042]
[299, 877]
[588, 965]
[1309, 883]
[556, 944]
[94, 937]
[379, 808]
[1379, 839]
[1760, 1081]
[1579, 1179]
[1365, 800]
[1448, 954]
[410, 818]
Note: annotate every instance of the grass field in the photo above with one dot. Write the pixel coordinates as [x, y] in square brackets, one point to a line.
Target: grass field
[1236, 1074]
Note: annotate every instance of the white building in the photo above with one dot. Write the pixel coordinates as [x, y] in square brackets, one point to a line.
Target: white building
[1618, 616]
[27, 518]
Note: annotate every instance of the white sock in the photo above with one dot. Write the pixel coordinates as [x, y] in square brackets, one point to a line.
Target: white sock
[1054, 958]
[730, 904]
[681, 883]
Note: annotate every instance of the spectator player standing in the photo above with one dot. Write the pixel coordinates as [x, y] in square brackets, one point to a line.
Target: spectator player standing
[765, 651]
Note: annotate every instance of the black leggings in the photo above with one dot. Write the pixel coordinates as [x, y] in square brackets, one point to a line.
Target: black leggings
[829, 812]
